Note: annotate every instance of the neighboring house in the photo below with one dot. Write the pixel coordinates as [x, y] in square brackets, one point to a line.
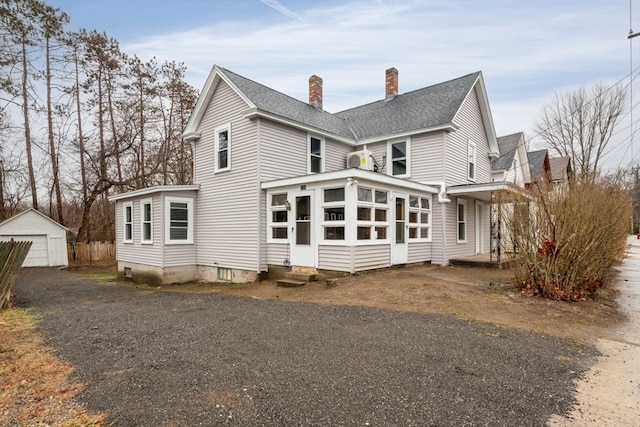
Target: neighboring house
[280, 182]
[561, 171]
[49, 239]
[513, 164]
[539, 167]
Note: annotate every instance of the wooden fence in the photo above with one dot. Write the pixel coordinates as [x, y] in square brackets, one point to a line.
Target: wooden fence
[12, 255]
[91, 253]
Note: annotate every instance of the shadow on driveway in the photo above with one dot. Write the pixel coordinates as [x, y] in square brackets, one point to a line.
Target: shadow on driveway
[155, 358]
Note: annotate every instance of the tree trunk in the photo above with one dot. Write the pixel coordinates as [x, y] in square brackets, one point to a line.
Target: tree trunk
[52, 144]
[27, 129]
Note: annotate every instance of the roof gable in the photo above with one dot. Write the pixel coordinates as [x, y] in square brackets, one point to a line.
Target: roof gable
[538, 163]
[32, 212]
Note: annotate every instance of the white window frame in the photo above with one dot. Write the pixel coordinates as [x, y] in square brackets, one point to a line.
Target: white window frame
[310, 155]
[143, 203]
[461, 203]
[373, 223]
[333, 222]
[276, 208]
[127, 206]
[472, 156]
[419, 210]
[407, 157]
[167, 222]
[217, 131]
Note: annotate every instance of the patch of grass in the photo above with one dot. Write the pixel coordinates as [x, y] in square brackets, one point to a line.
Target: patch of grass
[35, 385]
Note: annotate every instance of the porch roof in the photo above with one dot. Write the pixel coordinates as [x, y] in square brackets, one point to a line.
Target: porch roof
[153, 190]
[351, 175]
[484, 191]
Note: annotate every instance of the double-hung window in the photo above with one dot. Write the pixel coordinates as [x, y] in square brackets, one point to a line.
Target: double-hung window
[333, 209]
[128, 222]
[316, 155]
[279, 216]
[146, 219]
[462, 221]
[179, 220]
[222, 148]
[419, 218]
[471, 152]
[398, 153]
[372, 214]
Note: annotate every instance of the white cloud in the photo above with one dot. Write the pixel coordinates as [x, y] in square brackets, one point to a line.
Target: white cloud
[526, 50]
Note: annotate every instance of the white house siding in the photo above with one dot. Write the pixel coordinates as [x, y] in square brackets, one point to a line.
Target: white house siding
[228, 202]
[336, 155]
[419, 252]
[369, 257]
[157, 254]
[277, 253]
[174, 255]
[438, 229]
[337, 258]
[427, 157]
[455, 249]
[150, 254]
[471, 128]
[282, 151]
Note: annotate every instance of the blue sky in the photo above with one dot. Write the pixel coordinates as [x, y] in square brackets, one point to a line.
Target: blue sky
[527, 50]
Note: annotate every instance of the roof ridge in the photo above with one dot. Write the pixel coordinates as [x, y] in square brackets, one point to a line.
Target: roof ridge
[476, 73]
[226, 70]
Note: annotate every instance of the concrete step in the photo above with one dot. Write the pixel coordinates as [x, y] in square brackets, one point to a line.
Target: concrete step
[290, 283]
[306, 277]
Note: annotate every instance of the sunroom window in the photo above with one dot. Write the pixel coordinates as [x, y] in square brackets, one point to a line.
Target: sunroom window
[333, 211]
[372, 214]
[279, 216]
[419, 218]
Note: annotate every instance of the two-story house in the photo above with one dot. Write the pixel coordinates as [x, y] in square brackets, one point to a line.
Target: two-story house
[281, 182]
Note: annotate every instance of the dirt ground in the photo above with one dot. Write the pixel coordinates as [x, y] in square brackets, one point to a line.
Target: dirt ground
[467, 293]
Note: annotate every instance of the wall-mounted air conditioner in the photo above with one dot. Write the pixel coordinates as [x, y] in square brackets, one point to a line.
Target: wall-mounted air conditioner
[362, 159]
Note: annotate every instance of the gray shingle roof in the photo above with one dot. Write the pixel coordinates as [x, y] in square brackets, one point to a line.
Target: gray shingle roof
[423, 108]
[508, 146]
[536, 163]
[275, 102]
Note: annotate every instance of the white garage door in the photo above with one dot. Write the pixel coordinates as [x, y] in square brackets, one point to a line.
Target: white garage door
[38, 254]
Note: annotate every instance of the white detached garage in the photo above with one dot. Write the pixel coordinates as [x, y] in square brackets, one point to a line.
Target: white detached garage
[49, 239]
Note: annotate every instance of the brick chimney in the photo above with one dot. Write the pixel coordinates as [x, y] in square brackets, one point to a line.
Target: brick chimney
[391, 83]
[315, 91]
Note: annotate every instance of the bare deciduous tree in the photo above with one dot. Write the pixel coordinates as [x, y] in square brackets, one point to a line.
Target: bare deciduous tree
[579, 124]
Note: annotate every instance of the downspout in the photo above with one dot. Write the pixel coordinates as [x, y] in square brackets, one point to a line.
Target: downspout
[442, 199]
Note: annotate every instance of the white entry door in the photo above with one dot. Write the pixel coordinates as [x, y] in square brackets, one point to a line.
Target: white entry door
[399, 247]
[479, 228]
[303, 248]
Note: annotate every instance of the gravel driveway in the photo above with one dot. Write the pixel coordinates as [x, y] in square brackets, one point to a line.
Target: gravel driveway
[177, 359]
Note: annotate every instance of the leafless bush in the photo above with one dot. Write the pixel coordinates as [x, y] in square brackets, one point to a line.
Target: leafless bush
[569, 237]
